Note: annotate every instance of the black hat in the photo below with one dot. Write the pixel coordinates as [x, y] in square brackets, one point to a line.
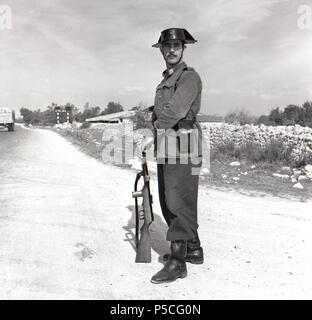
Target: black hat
[175, 34]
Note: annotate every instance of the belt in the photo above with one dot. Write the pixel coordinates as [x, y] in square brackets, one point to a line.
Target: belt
[185, 124]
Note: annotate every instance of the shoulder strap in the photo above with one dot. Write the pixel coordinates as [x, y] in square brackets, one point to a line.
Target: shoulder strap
[176, 83]
[175, 87]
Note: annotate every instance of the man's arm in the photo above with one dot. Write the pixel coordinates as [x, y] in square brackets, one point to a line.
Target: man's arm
[177, 108]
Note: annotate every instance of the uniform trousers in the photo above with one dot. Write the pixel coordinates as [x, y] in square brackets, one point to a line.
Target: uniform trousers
[178, 195]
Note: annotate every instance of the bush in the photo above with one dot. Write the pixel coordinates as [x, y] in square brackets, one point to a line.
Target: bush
[139, 120]
[142, 118]
[85, 125]
[273, 151]
[253, 151]
[239, 117]
[291, 115]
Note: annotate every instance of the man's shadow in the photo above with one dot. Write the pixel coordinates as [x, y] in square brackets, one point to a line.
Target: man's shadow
[158, 230]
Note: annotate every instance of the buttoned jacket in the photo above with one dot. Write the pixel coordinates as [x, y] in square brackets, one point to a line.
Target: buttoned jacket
[177, 102]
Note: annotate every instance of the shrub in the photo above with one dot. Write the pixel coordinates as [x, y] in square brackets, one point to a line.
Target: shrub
[274, 151]
[240, 117]
[139, 120]
[253, 151]
[85, 125]
[290, 115]
[142, 119]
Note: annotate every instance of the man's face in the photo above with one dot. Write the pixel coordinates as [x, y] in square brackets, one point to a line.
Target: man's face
[172, 51]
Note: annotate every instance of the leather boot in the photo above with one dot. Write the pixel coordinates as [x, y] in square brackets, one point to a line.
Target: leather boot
[194, 252]
[175, 267]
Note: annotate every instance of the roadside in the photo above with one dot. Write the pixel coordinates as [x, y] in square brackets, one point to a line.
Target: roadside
[226, 173]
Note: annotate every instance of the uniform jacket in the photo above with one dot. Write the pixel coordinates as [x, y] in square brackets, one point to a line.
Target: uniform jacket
[177, 102]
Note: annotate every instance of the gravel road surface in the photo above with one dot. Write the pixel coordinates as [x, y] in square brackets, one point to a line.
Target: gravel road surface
[66, 231]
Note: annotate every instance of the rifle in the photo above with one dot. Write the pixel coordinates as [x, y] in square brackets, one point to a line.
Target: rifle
[143, 244]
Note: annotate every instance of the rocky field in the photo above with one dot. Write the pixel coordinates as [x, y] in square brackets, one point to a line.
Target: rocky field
[295, 141]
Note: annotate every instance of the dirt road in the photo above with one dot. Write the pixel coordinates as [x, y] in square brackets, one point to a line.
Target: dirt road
[66, 225]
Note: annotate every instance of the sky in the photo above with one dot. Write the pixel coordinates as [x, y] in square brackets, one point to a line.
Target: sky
[250, 54]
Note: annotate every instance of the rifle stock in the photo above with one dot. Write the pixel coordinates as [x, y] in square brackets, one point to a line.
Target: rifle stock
[143, 243]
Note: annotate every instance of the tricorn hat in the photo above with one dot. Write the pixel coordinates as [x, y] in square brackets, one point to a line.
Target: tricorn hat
[175, 34]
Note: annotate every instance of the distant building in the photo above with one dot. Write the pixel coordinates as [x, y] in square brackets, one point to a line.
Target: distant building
[117, 117]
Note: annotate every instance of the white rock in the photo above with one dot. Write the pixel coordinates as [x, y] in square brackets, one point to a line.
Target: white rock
[224, 176]
[286, 169]
[283, 176]
[235, 178]
[235, 164]
[297, 172]
[293, 180]
[63, 126]
[298, 185]
[253, 167]
[302, 177]
[308, 170]
[204, 171]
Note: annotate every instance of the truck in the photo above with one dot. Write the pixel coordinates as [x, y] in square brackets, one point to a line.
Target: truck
[7, 118]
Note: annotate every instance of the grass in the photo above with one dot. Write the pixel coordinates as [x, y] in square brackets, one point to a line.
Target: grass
[275, 151]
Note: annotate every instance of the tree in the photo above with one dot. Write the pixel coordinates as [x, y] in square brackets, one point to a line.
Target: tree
[291, 113]
[46, 117]
[264, 120]
[239, 117]
[142, 117]
[276, 116]
[87, 113]
[307, 107]
[112, 107]
[26, 115]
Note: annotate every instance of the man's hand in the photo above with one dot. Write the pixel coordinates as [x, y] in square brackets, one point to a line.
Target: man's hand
[145, 144]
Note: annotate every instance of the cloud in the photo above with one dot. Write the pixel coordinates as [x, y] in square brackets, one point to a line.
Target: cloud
[267, 96]
[212, 91]
[100, 51]
[131, 89]
[134, 88]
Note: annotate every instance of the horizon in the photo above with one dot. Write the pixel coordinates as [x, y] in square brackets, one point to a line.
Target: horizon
[81, 109]
[251, 56]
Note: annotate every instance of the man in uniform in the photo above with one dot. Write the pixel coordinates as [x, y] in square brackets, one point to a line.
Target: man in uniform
[177, 103]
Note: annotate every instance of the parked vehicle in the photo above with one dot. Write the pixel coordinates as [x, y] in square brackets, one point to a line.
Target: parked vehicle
[7, 118]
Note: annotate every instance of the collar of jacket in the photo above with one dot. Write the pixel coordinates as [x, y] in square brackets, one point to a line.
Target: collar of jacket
[169, 72]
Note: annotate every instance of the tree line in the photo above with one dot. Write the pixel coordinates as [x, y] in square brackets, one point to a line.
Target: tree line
[290, 115]
[48, 117]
